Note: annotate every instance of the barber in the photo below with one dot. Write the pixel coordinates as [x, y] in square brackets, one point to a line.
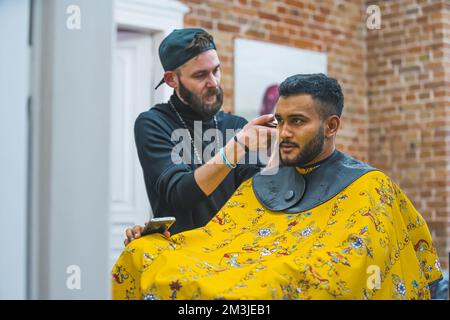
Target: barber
[193, 191]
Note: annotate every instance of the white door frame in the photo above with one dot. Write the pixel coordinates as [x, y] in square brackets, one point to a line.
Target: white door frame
[155, 17]
[129, 204]
[158, 17]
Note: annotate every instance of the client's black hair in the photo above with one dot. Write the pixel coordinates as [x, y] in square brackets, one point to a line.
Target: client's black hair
[325, 91]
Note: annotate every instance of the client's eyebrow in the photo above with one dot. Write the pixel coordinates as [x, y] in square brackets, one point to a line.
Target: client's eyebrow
[292, 115]
[298, 115]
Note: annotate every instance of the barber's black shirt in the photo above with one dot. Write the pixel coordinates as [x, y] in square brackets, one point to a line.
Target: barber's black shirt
[171, 187]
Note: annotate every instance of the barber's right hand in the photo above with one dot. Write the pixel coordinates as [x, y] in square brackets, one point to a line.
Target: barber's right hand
[258, 133]
[136, 232]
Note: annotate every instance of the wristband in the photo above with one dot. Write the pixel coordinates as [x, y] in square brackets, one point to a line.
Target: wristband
[225, 159]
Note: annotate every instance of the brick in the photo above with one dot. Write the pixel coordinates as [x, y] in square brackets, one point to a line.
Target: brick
[228, 27]
[295, 3]
[255, 34]
[205, 24]
[294, 22]
[281, 10]
[268, 16]
[303, 44]
[278, 39]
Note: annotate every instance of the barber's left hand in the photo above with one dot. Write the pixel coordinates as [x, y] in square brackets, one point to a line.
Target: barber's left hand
[136, 232]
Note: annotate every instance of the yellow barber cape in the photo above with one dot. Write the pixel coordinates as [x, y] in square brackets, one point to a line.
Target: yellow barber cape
[368, 242]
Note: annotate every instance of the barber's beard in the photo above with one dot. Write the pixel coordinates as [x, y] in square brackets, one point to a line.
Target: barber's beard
[308, 153]
[196, 102]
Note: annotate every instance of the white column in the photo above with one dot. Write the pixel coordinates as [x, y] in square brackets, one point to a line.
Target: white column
[70, 163]
[14, 68]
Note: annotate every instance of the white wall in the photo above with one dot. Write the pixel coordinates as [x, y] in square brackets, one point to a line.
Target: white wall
[14, 63]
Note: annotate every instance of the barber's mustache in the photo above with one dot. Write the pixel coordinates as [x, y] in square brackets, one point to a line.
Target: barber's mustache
[213, 91]
[287, 143]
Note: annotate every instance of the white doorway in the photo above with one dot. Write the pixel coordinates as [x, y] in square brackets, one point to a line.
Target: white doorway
[132, 94]
[142, 25]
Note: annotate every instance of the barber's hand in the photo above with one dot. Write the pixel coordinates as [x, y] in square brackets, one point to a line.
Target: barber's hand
[136, 232]
[257, 134]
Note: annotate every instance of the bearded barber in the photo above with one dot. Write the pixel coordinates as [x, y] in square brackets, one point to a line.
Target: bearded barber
[193, 192]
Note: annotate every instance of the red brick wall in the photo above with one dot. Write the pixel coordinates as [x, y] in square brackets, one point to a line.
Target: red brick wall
[409, 107]
[325, 26]
[395, 81]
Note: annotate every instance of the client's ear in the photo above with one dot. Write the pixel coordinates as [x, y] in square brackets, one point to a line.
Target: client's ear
[332, 125]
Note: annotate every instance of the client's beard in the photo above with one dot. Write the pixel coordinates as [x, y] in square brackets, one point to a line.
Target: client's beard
[196, 102]
[309, 152]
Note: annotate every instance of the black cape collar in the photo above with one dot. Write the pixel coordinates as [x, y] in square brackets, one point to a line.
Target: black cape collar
[292, 192]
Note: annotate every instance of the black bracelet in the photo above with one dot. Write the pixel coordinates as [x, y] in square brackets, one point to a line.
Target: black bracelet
[241, 144]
